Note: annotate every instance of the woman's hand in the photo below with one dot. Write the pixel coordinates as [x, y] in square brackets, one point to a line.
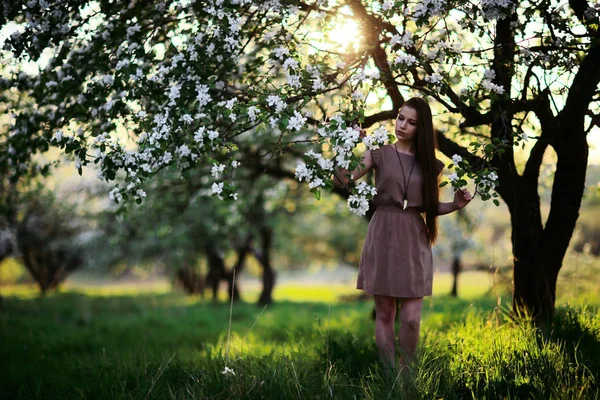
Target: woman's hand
[462, 197]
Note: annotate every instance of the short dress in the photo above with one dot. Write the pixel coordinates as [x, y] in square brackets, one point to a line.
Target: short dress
[396, 259]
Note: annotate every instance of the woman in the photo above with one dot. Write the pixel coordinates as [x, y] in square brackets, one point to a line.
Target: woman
[396, 262]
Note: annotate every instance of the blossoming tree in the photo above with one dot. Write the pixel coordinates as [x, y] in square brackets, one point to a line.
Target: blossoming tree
[136, 86]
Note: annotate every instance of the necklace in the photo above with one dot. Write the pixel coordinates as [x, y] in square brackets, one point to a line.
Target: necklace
[405, 197]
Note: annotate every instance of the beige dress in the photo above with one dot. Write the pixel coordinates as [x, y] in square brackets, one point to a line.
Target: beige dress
[396, 259]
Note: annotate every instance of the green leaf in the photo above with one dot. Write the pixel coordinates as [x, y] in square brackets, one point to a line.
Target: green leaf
[496, 202]
[443, 183]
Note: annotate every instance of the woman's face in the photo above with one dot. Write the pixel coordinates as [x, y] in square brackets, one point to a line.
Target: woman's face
[406, 124]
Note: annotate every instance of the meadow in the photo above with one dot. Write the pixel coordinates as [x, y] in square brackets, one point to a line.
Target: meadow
[314, 343]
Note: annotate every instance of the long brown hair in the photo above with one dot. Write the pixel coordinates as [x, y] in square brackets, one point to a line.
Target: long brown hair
[425, 145]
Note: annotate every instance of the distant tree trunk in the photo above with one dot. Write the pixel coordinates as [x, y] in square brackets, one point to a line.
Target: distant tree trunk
[191, 280]
[217, 272]
[264, 257]
[456, 267]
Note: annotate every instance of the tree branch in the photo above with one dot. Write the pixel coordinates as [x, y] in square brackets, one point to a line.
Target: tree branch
[449, 148]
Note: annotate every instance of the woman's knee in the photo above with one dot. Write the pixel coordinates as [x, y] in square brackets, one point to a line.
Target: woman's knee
[385, 310]
[411, 322]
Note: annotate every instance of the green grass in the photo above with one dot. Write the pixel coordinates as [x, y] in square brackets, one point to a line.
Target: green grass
[106, 345]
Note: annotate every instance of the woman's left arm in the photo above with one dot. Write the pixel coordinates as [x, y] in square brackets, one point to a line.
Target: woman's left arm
[462, 197]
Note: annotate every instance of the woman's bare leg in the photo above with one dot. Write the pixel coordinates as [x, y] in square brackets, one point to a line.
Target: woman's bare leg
[385, 313]
[410, 324]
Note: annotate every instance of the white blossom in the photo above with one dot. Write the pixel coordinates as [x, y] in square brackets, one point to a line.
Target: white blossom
[405, 59]
[217, 188]
[378, 138]
[296, 122]
[456, 159]
[434, 78]
[217, 169]
[183, 151]
[115, 195]
[358, 204]
[252, 113]
[302, 172]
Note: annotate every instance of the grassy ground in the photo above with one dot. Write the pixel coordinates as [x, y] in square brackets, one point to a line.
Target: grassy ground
[311, 344]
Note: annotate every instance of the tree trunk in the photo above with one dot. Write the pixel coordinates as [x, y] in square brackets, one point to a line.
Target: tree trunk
[539, 252]
[264, 257]
[455, 272]
[217, 272]
[191, 280]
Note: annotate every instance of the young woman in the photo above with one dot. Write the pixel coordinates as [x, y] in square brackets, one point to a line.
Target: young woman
[396, 261]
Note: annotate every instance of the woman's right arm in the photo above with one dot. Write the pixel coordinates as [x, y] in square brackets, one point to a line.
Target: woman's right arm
[342, 177]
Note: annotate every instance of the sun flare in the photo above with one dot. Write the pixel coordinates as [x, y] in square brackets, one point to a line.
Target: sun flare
[346, 34]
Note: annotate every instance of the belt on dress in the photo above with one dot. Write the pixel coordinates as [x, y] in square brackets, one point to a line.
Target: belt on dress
[398, 209]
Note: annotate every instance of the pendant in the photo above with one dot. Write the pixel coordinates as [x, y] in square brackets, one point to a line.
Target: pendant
[404, 204]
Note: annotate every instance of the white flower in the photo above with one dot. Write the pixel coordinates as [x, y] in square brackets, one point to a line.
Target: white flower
[456, 159]
[365, 189]
[133, 29]
[235, 163]
[434, 78]
[297, 121]
[405, 59]
[489, 74]
[183, 150]
[228, 371]
[315, 183]
[280, 52]
[358, 204]
[489, 85]
[252, 113]
[115, 195]
[358, 95]
[212, 135]
[58, 135]
[122, 64]
[302, 172]
[187, 118]
[229, 104]
[293, 80]
[326, 164]
[140, 193]
[340, 65]
[174, 93]
[492, 176]
[453, 177]
[234, 196]
[274, 100]
[290, 63]
[217, 188]
[199, 134]
[217, 169]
